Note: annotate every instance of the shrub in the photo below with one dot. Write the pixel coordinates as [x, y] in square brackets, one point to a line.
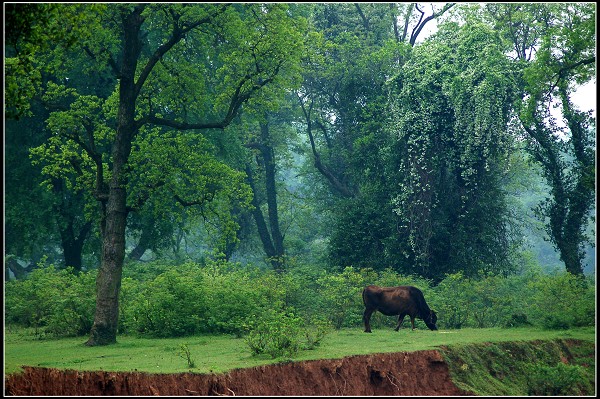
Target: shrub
[283, 333]
[231, 298]
[452, 301]
[561, 301]
[341, 295]
[562, 379]
[56, 302]
[171, 305]
[275, 333]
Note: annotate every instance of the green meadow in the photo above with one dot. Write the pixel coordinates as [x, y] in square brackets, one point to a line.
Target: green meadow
[220, 353]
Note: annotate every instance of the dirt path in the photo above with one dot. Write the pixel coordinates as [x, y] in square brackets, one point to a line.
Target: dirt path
[412, 373]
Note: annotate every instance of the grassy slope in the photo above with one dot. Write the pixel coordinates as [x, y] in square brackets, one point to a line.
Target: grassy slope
[524, 368]
[222, 353]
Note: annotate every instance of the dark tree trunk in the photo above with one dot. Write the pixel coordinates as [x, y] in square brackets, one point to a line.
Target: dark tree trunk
[108, 282]
[73, 246]
[572, 192]
[271, 236]
[142, 245]
[67, 211]
[269, 161]
[273, 257]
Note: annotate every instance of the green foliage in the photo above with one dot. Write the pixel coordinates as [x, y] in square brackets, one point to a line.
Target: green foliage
[452, 301]
[562, 379]
[562, 300]
[275, 333]
[341, 295]
[161, 300]
[55, 302]
[171, 305]
[283, 334]
[449, 109]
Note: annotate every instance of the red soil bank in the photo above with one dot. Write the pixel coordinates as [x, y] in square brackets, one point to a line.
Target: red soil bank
[401, 373]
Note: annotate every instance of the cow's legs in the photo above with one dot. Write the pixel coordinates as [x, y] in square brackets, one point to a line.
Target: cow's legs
[400, 320]
[366, 318]
[412, 321]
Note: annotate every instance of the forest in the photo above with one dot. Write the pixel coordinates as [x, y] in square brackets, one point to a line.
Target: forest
[176, 168]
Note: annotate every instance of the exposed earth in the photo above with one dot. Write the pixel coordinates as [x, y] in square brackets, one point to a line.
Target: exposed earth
[421, 373]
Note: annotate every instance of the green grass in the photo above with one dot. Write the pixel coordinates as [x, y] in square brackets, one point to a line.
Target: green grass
[222, 353]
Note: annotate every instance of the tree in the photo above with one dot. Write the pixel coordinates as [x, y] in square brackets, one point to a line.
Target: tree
[55, 218]
[562, 37]
[450, 106]
[355, 49]
[180, 68]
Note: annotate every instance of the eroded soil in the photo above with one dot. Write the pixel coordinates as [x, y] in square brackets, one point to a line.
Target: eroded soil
[403, 373]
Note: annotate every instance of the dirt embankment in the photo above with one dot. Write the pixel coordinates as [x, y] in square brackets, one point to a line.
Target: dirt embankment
[411, 373]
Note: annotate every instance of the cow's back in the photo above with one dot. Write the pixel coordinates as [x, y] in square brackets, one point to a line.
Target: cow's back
[392, 300]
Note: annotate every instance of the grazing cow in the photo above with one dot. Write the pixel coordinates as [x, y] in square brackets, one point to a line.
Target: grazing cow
[400, 301]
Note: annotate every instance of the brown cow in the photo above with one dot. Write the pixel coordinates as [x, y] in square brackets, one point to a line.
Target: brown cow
[401, 301]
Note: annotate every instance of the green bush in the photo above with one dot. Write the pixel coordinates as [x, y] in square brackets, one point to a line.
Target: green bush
[171, 305]
[452, 301]
[232, 298]
[341, 295]
[226, 297]
[282, 333]
[56, 302]
[561, 301]
[562, 379]
[275, 333]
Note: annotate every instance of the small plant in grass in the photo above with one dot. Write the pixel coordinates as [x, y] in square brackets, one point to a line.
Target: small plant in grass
[184, 353]
[314, 333]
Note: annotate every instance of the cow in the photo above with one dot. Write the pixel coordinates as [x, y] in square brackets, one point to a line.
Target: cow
[401, 301]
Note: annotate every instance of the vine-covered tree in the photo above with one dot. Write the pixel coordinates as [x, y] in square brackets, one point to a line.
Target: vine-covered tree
[451, 104]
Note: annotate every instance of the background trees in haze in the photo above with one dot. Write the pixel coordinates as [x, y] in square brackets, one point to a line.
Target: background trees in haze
[279, 133]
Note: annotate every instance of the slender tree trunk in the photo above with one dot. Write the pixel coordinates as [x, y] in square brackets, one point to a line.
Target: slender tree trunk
[269, 160]
[273, 257]
[271, 236]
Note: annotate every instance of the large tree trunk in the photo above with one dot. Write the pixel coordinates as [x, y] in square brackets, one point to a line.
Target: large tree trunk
[108, 282]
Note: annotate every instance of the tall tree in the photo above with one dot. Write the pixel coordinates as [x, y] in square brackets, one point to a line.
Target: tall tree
[450, 107]
[180, 67]
[355, 49]
[56, 218]
[562, 38]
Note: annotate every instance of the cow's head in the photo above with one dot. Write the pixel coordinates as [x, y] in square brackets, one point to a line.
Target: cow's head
[430, 320]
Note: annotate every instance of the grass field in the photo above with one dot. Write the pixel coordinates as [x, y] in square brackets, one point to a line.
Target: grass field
[223, 353]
